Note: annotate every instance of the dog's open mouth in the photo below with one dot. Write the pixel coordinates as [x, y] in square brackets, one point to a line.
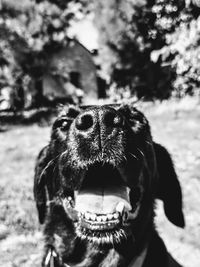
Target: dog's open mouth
[104, 205]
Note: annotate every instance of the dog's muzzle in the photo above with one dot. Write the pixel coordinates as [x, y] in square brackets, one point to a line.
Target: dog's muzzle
[102, 201]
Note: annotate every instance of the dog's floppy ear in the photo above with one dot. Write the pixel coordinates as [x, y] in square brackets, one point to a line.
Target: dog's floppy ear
[169, 189]
[43, 164]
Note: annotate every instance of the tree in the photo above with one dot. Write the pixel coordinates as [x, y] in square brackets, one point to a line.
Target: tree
[29, 31]
[183, 44]
[130, 32]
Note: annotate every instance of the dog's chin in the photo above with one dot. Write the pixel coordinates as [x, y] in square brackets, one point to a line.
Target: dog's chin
[103, 206]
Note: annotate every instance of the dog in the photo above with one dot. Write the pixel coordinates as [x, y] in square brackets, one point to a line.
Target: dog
[95, 188]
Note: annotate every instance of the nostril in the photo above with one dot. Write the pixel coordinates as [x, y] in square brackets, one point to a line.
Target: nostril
[84, 122]
[113, 119]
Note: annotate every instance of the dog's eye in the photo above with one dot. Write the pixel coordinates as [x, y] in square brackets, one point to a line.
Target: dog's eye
[63, 124]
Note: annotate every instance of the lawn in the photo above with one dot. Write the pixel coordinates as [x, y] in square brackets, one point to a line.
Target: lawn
[175, 125]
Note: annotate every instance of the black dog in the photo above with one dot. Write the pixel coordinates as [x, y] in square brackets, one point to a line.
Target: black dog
[95, 187]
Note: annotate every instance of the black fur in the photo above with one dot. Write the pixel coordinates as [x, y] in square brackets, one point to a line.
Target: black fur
[91, 136]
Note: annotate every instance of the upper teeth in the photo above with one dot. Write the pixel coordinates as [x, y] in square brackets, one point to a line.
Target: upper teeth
[93, 216]
[104, 218]
[87, 216]
[116, 215]
[100, 218]
[109, 216]
[120, 207]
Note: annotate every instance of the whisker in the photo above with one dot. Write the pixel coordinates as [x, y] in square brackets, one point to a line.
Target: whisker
[63, 153]
[125, 158]
[134, 156]
[147, 142]
[141, 153]
[45, 168]
[51, 201]
[48, 165]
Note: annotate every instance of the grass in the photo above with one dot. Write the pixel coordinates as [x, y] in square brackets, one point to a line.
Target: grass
[175, 125]
[20, 231]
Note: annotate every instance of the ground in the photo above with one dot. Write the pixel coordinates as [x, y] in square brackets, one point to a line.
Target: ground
[174, 124]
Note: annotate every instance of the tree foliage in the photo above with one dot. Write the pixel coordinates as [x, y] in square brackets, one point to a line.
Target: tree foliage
[29, 31]
[131, 32]
[183, 44]
[148, 47]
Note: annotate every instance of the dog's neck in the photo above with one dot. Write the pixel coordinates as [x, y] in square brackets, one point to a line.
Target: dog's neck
[136, 262]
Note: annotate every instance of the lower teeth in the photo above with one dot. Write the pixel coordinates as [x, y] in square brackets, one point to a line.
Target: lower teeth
[108, 225]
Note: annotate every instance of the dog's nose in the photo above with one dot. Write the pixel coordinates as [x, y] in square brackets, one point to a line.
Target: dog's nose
[96, 130]
[103, 119]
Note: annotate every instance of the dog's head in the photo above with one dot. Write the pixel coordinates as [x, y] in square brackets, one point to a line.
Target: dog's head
[101, 167]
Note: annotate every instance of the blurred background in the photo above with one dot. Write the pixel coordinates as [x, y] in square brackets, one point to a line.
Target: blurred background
[56, 52]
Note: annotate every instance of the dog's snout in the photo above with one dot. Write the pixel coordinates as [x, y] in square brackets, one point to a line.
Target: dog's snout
[97, 129]
[84, 122]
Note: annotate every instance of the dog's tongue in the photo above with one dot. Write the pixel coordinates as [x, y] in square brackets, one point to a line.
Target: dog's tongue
[101, 200]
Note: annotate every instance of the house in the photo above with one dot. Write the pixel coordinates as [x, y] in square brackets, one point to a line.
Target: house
[70, 71]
